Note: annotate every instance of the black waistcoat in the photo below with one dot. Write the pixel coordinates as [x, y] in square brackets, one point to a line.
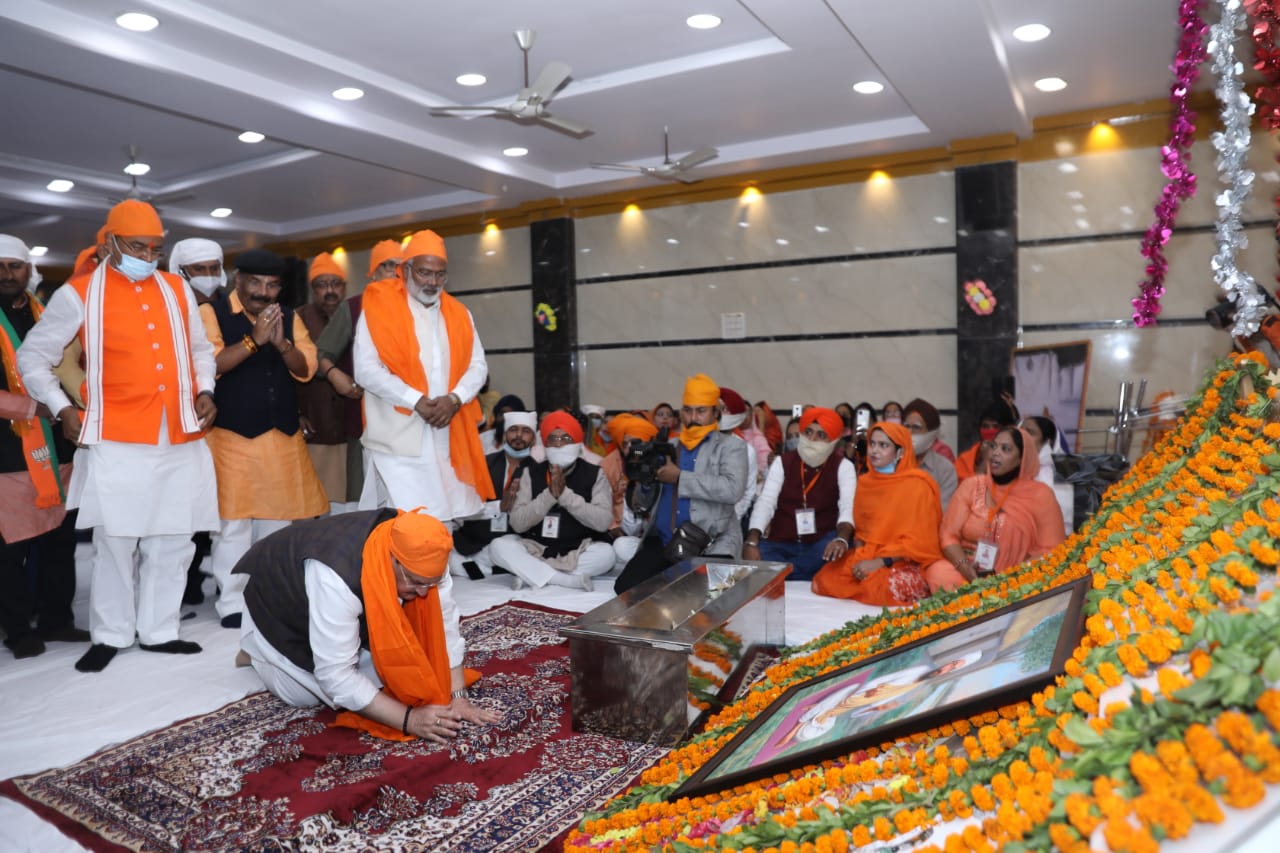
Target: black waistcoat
[572, 532]
[258, 394]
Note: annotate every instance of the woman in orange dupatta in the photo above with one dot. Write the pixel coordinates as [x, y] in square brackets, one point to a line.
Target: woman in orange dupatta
[896, 511]
[1006, 507]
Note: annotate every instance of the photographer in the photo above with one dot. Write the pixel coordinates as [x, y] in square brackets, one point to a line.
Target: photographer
[697, 492]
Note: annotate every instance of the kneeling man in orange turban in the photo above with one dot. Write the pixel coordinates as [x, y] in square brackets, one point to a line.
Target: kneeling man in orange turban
[321, 590]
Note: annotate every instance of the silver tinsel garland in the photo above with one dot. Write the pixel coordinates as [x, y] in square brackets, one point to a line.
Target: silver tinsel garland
[1232, 145]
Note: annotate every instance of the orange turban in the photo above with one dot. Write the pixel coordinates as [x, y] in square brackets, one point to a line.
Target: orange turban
[564, 421]
[425, 243]
[627, 425]
[386, 250]
[324, 264]
[701, 390]
[421, 544]
[133, 218]
[85, 261]
[832, 424]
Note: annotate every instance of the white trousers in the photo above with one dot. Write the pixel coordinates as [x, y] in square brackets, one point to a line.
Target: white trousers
[511, 553]
[230, 543]
[283, 677]
[624, 548]
[116, 609]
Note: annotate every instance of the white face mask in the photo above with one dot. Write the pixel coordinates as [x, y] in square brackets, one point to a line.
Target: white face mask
[205, 285]
[565, 455]
[814, 453]
[922, 441]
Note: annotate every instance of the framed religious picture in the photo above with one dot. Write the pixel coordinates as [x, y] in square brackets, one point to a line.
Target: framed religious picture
[976, 666]
[1050, 381]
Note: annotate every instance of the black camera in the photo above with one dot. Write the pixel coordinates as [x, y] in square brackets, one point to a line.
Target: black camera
[641, 468]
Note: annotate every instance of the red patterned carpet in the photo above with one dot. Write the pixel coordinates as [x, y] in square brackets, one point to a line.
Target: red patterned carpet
[258, 775]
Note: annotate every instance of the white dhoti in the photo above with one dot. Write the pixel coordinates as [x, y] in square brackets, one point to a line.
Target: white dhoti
[426, 480]
[522, 557]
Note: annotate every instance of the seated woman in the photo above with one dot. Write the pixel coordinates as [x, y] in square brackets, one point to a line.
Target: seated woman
[891, 412]
[922, 418]
[999, 519]
[896, 511]
[1044, 434]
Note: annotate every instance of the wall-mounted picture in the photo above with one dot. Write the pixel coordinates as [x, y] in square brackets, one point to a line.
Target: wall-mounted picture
[1050, 381]
[977, 666]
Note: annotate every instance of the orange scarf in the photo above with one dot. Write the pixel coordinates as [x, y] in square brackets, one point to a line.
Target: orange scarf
[406, 641]
[391, 328]
[693, 434]
[898, 514]
[37, 438]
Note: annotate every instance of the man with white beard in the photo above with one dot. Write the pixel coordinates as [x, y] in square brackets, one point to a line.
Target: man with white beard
[419, 358]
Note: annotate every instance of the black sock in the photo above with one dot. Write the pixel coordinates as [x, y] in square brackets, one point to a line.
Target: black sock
[97, 658]
[231, 620]
[173, 647]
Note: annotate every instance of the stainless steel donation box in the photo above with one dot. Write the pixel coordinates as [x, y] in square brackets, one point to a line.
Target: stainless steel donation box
[642, 664]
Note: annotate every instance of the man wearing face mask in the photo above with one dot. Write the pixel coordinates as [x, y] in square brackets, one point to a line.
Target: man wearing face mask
[563, 507]
[733, 415]
[700, 488]
[265, 476]
[471, 556]
[419, 356]
[144, 481]
[199, 261]
[807, 501]
[924, 422]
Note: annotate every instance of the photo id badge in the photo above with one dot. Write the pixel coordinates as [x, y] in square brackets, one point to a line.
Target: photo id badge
[498, 524]
[806, 521]
[984, 558]
[551, 527]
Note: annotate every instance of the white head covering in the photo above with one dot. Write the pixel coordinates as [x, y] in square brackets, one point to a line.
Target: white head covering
[525, 419]
[193, 250]
[12, 247]
[593, 410]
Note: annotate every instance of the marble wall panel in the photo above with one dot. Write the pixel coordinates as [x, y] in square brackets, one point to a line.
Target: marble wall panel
[512, 374]
[893, 293]
[1091, 281]
[871, 216]
[1114, 191]
[504, 320]
[498, 258]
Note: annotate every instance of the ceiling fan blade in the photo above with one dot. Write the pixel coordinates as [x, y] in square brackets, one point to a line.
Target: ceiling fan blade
[577, 128]
[696, 158]
[684, 180]
[481, 108]
[170, 198]
[618, 167]
[553, 74]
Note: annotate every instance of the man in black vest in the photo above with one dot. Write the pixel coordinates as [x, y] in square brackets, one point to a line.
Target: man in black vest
[471, 556]
[265, 477]
[562, 509]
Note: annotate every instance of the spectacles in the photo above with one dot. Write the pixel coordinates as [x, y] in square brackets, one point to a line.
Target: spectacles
[422, 274]
[140, 249]
[559, 440]
[418, 586]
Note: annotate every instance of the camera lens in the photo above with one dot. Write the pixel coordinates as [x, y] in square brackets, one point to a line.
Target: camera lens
[1221, 315]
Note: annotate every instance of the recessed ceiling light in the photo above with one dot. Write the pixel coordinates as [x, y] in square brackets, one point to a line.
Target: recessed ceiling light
[1051, 84]
[471, 79]
[673, 241]
[783, 241]
[868, 87]
[251, 137]
[60, 185]
[348, 93]
[1031, 32]
[220, 212]
[39, 251]
[491, 252]
[137, 169]
[139, 22]
[515, 151]
[703, 21]
[1068, 168]
[821, 229]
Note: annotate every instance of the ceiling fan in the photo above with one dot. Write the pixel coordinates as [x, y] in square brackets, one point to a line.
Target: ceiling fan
[153, 199]
[531, 103]
[668, 170]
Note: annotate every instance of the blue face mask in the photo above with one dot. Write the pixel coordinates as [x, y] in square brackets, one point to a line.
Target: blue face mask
[136, 269]
[887, 469]
[518, 454]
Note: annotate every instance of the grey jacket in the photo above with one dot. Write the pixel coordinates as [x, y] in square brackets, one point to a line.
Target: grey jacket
[716, 483]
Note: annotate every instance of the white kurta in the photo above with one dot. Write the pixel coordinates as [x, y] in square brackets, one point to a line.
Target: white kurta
[129, 489]
[407, 462]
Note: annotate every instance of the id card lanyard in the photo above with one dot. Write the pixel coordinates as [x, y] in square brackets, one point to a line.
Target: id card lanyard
[551, 521]
[806, 518]
[984, 556]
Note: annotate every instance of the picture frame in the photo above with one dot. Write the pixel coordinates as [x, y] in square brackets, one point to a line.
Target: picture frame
[984, 663]
[1052, 380]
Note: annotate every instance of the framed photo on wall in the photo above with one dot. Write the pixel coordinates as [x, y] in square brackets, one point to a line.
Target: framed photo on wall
[1051, 381]
[979, 665]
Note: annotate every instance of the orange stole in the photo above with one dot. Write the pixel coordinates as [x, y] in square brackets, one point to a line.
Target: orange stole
[37, 440]
[136, 393]
[391, 328]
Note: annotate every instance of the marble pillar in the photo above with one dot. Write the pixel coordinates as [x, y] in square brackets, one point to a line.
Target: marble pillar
[551, 250]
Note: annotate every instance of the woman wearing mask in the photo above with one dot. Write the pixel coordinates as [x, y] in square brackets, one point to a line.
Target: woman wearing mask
[892, 412]
[998, 414]
[998, 519]
[924, 422]
[895, 521]
[792, 441]
[806, 502]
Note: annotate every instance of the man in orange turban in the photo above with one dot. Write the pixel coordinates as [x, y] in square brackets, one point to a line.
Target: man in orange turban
[310, 587]
[419, 356]
[325, 414]
[806, 503]
[701, 480]
[384, 260]
[144, 481]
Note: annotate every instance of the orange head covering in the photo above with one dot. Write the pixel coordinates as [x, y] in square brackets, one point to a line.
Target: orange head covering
[324, 264]
[701, 390]
[830, 422]
[133, 218]
[421, 544]
[425, 243]
[630, 426]
[386, 250]
[564, 421]
[900, 436]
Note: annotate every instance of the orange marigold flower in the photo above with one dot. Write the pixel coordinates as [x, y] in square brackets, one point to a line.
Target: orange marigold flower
[1170, 681]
